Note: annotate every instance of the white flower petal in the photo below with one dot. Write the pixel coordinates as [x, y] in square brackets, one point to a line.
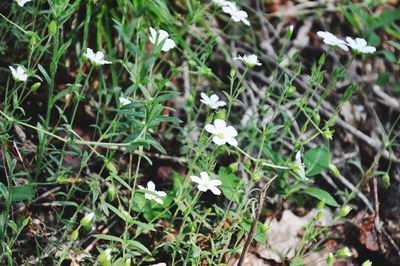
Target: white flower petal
[204, 176]
[210, 129]
[219, 124]
[215, 190]
[168, 45]
[151, 186]
[219, 141]
[232, 141]
[215, 182]
[230, 132]
[195, 179]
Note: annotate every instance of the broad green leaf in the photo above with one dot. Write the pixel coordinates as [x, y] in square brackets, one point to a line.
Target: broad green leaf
[23, 192]
[321, 195]
[316, 160]
[231, 187]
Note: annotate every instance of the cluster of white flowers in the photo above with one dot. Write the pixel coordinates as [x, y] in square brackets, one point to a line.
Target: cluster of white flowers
[358, 45]
[231, 9]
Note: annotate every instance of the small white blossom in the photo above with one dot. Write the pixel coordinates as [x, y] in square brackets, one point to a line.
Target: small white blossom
[205, 183]
[236, 14]
[96, 59]
[152, 188]
[299, 166]
[21, 3]
[249, 60]
[360, 45]
[212, 101]
[19, 74]
[222, 133]
[332, 40]
[124, 101]
[158, 37]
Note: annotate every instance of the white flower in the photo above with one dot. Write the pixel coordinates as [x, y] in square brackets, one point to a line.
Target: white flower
[124, 101]
[21, 3]
[152, 188]
[205, 183]
[221, 2]
[19, 74]
[332, 40]
[222, 133]
[299, 166]
[96, 59]
[249, 60]
[212, 101]
[236, 14]
[158, 37]
[360, 45]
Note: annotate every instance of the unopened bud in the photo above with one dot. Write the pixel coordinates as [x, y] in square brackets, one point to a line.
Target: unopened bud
[334, 170]
[344, 211]
[104, 258]
[367, 263]
[330, 259]
[53, 27]
[87, 219]
[344, 253]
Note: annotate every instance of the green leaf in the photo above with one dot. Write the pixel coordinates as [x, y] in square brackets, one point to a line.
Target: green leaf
[108, 237]
[138, 246]
[394, 44]
[321, 195]
[231, 185]
[23, 192]
[316, 160]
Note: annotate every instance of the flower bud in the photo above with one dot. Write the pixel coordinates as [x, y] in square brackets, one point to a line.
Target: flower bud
[104, 258]
[316, 118]
[264, 228]
[334, 170]
[386, 180]
[344, 253]
[35, 86]
[127, 262]
[291, 90]
[328, 133]
[367, 263]
[75, 234]
[232, 73]
[289, 32]
[111, 193]
[330, 259]
[344, 211]
[87, 219]
[52, 27]
[233, 167]
[321, 204]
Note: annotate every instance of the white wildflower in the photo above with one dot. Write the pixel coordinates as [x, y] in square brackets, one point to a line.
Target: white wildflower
[124, 101]
[299, 166]
[19, 74]
[152, 188]
[360, 45]
[158, 37]
[222, 133]
[236, 14]
[96, 59]
[205, 183]
[212, 101]
[249, 60]
[332, 40]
